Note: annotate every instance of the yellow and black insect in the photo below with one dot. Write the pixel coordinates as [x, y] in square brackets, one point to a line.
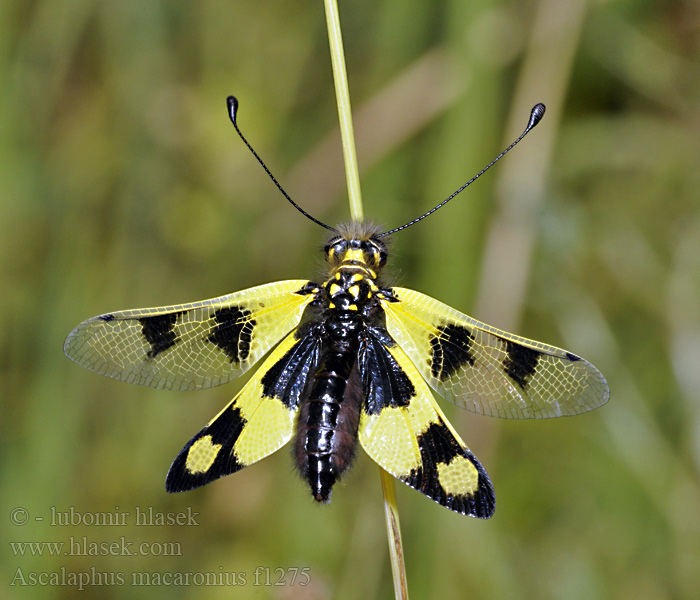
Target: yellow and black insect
[350, 359]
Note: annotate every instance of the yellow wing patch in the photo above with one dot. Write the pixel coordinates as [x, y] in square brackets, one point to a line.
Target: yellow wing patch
[190, 346]
[201, 455]
[415, 443]
[488, 371]
[253, 425]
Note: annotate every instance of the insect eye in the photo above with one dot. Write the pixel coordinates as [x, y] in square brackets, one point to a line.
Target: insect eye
[378, 254]
[335, 250]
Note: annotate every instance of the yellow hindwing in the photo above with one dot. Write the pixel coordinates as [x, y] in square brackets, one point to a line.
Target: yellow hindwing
[253, 425]
[415, 443]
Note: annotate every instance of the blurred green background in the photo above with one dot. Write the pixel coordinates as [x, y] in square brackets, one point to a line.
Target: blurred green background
[122, 184]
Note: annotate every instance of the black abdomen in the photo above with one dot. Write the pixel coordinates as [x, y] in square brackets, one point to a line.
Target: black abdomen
[330, 411]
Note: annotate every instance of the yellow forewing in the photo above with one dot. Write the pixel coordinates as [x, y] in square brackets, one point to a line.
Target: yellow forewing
[415, 443]
[252, 426]
[489, 371]
[189, 346]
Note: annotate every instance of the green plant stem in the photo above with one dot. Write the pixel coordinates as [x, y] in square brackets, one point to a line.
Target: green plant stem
[393, 529]
[342, 93]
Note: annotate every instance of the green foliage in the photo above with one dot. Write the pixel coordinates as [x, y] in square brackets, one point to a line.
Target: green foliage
[122, 184]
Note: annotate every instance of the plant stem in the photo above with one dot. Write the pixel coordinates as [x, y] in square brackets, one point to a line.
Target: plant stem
[393, 530]
[342, 94]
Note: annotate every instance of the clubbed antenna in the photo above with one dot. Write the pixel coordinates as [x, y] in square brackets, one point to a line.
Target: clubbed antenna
[232, 104]
[535, 117]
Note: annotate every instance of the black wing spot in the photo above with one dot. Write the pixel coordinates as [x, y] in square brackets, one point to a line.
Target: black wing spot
[107, 318]
[437, 446]
[159, 332]
[450, 351]
[520, 363]
[225, 431]
[233, 332]
[572, 357]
